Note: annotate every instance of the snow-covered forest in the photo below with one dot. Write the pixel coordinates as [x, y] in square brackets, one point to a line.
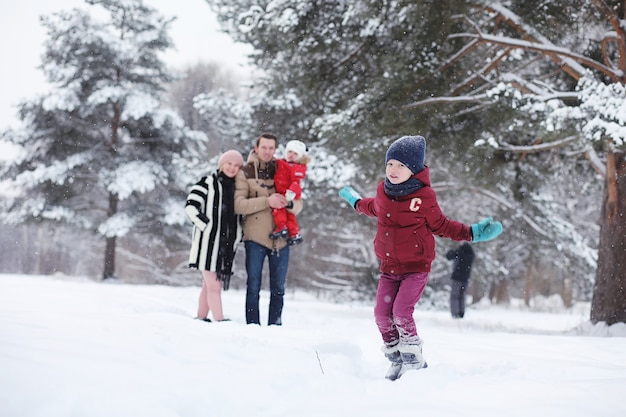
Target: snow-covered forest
[522, 104]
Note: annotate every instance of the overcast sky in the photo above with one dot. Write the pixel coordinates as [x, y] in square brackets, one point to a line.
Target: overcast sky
[195, 34]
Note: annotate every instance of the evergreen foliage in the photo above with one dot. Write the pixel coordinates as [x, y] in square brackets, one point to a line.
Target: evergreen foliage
[100, 153]
[506, 94]
[360, 75]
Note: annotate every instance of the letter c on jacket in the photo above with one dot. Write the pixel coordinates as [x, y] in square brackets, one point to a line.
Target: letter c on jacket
[415, 204]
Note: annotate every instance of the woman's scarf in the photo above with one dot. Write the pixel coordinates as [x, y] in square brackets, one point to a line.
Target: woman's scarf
[228, 230]
[407, 187]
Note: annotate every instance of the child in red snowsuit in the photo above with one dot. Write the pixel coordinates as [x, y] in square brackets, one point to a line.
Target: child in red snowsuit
[289, 172]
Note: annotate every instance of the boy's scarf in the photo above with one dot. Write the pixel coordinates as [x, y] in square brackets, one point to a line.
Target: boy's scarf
[228, 230]
[407, 187]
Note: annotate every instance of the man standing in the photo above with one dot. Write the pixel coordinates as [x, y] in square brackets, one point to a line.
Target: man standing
[255, 197]
[463, 257]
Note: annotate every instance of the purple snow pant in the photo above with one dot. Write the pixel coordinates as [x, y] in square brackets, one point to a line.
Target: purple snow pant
[395, 302]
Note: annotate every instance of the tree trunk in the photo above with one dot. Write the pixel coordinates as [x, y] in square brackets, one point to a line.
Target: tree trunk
[502, 292]
[109, 250]
[109, 258]
[609, 295]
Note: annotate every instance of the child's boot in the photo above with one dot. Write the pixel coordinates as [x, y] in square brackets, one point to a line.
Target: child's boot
[279, 233]
[393, 354]
[412, 358]
[295, 239]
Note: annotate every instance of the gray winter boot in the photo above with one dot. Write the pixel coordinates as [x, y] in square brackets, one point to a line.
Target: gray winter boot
[393, 354]
[412, 358]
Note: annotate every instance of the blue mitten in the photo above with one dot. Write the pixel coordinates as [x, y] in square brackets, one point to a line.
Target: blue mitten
[350, 195]
[485, 230]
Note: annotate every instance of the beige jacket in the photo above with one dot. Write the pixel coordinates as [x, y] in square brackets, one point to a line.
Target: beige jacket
[254, 183]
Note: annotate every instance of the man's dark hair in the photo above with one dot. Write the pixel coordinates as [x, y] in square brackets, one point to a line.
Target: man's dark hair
[267, 135]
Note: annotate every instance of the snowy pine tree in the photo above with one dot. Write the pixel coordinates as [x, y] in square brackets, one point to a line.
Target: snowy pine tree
[99, 151]
[562, 65]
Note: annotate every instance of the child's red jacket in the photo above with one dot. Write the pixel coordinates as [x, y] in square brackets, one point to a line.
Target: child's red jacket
[289, 174]
[404, 239]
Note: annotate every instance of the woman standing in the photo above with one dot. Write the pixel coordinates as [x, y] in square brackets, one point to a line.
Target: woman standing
[216, 232]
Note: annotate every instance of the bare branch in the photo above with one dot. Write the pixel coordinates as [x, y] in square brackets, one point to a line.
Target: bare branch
[569, 64]
[482, 71]
[522, 85]
[448, 186]
[486, 99]
[607, 40]
[619, 35]
[350, 56]
[590, 153]
[552, 52]
[448, 100]
[595, 161]
[608, 13]
[506, 147]
[460, 54]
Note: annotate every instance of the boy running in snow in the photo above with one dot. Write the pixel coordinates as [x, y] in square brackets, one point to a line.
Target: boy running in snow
[408, 217]
[289, 172]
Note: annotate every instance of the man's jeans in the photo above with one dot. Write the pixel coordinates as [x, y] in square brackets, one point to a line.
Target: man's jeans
[278, 262]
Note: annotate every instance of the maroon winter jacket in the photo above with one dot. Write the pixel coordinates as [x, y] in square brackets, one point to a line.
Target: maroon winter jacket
[404, 240]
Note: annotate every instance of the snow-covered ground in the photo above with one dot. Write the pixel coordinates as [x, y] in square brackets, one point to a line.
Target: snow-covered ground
[73, 347]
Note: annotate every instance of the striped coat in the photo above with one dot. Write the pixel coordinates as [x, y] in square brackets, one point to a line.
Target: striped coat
[204, 209]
